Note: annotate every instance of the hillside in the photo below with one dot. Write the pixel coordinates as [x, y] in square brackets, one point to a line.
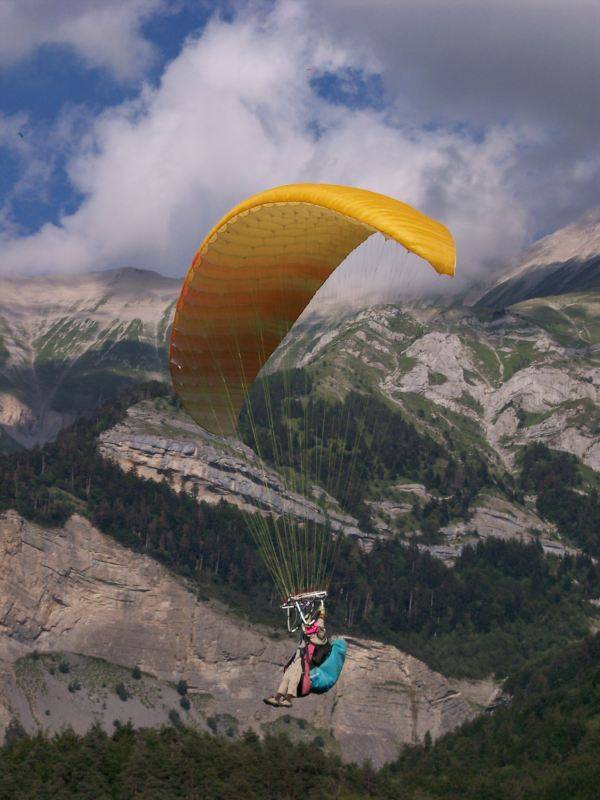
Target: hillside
[484, 615]
[79, 611]
[469, 499]
[69, 342]
[542, 746]
[492, 377]
[467, 388]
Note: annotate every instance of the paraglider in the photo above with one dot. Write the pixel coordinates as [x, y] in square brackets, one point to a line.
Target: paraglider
[251, 279]
[313, 649]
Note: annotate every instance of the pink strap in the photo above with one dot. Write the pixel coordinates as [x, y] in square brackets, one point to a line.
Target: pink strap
[306, 662]
[309, 631]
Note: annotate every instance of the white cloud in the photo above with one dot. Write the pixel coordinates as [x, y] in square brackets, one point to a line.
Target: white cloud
[234, 113]
[536, 60]
[33, 170]
[104, 33]
[535, 63]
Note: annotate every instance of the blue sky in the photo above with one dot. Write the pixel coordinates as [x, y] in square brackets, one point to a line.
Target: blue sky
[127, 127]
[53, 79]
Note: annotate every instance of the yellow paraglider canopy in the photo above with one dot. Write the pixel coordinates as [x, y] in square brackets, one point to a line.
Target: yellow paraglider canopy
[258, 269]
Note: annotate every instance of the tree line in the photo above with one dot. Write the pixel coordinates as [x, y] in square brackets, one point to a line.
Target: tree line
[501, 603]
[562, 494]
[542, 745]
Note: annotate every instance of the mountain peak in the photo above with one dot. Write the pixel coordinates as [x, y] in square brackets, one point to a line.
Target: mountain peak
[100, 279]
[578, 241]
[129, 277]
[567, 260]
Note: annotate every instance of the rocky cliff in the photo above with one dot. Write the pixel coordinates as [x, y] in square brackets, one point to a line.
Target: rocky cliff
[77, 612]
[496, 378]
[161, 442]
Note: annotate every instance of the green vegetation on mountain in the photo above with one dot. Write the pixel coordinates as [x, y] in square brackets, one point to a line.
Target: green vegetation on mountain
[562, 494]
[571, 319]
[115, 363]
[542, 746]
[502, 603]
[349, 447]
[70, 343]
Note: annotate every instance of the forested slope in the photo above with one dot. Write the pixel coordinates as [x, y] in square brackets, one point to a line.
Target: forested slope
[502, 602]
[542, 746]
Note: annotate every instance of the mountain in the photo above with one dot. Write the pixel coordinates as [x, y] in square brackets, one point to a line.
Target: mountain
[67, 342]
[493, 414]
[485, 384]
[78, 612]
[542, 744]
[567, 261]
[83, 601]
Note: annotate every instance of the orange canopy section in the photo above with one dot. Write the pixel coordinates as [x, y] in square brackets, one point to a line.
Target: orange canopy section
[256, 272]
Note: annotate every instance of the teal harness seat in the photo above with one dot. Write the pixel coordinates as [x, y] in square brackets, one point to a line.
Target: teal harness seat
[323, 677]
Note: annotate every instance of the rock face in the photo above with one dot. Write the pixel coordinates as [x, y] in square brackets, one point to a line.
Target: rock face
[493, 516]
[211, 468]
[76, 591]
[506, 377]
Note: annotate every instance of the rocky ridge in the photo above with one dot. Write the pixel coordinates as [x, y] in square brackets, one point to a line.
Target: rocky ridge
[533, 366]
[495, 381]
[161, 442]
[102, 609]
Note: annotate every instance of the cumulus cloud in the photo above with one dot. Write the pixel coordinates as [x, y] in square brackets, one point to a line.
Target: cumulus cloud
[104, 34]
[237, 111]
[532, 61]
[534, 64]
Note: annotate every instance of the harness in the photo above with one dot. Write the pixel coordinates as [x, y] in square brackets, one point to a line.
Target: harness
[311, 655]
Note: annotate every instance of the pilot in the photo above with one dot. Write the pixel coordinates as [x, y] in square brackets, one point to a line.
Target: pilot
[311, 650]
